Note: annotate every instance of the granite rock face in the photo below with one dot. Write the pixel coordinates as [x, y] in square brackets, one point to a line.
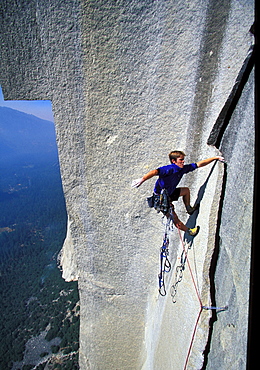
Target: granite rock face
[129, 81]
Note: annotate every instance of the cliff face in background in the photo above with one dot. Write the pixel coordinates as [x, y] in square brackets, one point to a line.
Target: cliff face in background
[129, 81]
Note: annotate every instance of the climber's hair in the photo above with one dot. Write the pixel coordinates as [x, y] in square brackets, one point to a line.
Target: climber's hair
[176, 154]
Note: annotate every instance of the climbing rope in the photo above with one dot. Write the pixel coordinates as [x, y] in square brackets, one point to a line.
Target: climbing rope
[179, 272]
[202, 307]
[165, 265]
[188, 262]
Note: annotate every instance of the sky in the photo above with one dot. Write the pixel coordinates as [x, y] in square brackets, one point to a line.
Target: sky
[39, 108]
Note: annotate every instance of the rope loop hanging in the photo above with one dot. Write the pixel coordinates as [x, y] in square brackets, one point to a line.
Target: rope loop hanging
[165, 265]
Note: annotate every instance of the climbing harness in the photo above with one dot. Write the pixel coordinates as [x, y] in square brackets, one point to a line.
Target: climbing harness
[160, 202]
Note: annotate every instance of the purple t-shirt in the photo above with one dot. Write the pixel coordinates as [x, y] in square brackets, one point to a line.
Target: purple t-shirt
[170, 176]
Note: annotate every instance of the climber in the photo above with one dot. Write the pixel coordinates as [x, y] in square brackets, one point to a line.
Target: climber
[169, 177]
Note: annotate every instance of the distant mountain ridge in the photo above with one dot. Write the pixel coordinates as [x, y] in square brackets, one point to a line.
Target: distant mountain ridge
[23, 134]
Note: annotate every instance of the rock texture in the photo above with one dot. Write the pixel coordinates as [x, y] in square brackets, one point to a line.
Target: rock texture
[129, 81]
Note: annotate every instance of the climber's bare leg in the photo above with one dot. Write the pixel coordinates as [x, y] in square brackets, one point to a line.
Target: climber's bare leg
[185, 194]
[177, 222]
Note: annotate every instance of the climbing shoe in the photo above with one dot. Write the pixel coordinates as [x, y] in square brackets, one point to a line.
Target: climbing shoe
[191, 210]
[194, 231]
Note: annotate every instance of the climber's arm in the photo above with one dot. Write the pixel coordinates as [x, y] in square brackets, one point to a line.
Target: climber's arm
[136, 183]
[207, 161]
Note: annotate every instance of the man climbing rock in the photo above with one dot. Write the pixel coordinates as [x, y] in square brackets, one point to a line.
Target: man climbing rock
[169, 177]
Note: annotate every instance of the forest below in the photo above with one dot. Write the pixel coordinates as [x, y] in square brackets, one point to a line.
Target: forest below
[35, 299]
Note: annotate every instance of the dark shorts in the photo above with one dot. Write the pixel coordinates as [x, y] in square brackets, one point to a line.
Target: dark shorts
[175, 195]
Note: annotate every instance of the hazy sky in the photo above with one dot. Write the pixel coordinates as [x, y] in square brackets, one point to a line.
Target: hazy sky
[39, 108]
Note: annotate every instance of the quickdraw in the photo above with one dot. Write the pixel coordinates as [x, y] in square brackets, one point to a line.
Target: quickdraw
[179, 272]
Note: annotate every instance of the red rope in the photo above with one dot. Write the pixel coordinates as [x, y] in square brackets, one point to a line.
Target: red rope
[198, 295]
[194, 283]
[192, 339]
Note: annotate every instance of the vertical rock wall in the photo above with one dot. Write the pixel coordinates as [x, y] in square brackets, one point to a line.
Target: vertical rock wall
[232, 278]
[129, 81]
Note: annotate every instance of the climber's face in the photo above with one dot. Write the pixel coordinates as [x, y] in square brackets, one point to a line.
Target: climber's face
[179, 161]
